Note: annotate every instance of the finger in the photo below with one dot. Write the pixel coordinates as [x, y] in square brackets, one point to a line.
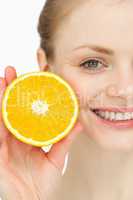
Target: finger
[2, 89]
[3, 85]
[10, 74]
[59, 150]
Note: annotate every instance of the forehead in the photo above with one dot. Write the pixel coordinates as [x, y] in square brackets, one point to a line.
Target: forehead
[106, 24]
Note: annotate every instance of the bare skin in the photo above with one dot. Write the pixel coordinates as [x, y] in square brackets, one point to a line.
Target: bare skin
[105, 166]
[108, 165]
[27, 172]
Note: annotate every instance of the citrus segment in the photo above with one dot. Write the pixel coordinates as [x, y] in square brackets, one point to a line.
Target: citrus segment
[39, 108]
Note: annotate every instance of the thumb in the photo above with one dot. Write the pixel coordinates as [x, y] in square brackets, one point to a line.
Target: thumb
[59, 150]
[2, 90]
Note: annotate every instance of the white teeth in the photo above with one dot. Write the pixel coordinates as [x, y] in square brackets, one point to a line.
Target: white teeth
[102, 113]
[112, 116]
[127, 115]
[106, 115]
[115, 115]
[119, 116]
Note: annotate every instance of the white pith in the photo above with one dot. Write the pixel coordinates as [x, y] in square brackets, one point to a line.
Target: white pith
[39, 107]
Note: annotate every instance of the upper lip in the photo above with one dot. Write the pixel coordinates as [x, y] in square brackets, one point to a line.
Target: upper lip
[113, 109]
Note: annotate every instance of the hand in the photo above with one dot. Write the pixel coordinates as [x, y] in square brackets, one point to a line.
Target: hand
[27, 172]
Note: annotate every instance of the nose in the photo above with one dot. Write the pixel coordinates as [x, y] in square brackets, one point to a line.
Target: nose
[122, 85]
[124, 92]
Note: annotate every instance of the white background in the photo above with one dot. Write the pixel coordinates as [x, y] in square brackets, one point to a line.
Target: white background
[19, 39]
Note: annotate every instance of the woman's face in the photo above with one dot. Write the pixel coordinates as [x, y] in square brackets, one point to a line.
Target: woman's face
[94, 53]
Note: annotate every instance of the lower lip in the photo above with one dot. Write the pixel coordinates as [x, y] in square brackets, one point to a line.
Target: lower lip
[114, 124]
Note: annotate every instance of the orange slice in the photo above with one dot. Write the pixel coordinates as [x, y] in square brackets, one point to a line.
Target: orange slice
[39, 108]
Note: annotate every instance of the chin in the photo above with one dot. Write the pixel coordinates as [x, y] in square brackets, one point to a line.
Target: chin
[105, 136]
[110, 142]
[120, 145]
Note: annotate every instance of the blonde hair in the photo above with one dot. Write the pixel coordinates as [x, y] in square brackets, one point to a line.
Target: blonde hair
[53, 13]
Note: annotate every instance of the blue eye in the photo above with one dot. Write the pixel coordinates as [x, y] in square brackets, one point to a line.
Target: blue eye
[93, 64]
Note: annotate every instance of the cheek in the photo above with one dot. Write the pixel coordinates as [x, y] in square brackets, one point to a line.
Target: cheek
[83, 91]
[86, 91]
[87, 88]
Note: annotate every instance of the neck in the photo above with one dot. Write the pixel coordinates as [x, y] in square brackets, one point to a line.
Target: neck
[109, 174]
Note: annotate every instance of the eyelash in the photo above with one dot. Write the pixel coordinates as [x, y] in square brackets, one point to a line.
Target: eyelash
[94, 68]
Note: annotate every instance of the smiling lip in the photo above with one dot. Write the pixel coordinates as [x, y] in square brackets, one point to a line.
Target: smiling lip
[114, 124]
[113, 109]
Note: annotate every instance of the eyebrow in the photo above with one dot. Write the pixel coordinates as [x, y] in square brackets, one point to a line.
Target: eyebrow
[96, 48]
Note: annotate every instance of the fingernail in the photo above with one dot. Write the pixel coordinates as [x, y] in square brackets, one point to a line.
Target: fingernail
[65, 164]
[47, 148]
